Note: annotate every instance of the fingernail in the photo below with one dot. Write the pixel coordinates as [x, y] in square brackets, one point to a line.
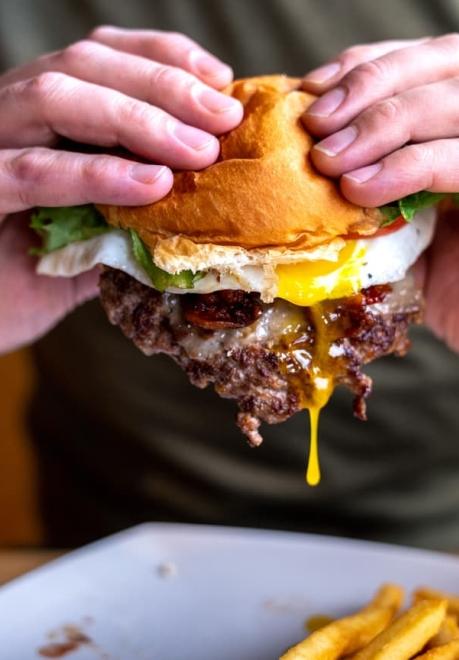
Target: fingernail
[147, 173]
[209, 66]
[327, 103]
[335, 144]
[323, 73]
[216, 102]
[364, 174]
[192, 137]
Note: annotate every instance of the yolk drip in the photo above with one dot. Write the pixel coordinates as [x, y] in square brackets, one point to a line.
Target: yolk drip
[323, 388]
[312, 372]
[321, 374]
[309, 282]
[313, 470]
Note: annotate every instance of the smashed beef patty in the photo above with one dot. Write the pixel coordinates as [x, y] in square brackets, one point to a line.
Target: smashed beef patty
[266, 365]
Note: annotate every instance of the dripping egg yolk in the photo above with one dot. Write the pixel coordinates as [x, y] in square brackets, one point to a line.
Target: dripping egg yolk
[309, 282]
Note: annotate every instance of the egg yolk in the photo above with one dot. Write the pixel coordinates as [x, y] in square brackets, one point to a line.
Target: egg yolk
[309, 282]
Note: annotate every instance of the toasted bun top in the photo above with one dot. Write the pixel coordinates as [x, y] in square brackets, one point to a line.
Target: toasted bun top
[263, 192]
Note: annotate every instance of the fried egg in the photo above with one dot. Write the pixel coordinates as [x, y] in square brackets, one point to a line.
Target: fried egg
[302, 278]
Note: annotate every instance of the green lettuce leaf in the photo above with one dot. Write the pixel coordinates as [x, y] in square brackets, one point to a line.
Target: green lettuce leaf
[160, 279]
[60, 226]
[407, 207]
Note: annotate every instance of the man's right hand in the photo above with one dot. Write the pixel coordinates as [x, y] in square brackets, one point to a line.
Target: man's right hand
[153, 93]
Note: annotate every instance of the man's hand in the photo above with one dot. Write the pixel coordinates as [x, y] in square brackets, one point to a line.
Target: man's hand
[153, 93]
[387, 119]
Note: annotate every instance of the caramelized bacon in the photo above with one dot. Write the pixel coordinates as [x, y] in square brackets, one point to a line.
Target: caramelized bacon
[375, 294]
[222, 309]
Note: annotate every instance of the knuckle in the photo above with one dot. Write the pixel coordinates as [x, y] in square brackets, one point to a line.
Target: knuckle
[389, 118]
[385, 112]
[353, 55]
[137, 113]
[421, 162]
[181, 43]
[168, 77]
[44, 85]
[178, 38]
[103, 174]
[80, 50]
[29, 168]
[368, 74]
[99, 32]
[96, 171]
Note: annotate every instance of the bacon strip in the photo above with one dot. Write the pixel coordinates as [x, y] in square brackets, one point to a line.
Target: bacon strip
[222, 309]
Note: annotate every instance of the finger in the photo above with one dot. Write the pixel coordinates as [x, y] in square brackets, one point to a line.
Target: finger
[382, 78]
[442, 275]
[430, 166]
[35, 111]
[169, 48]
[328, 75]
[414, 116]
[44, 177]
[86, 286]
[171, 88]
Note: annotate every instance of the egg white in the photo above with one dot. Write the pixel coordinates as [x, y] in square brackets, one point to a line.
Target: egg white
[376, 261]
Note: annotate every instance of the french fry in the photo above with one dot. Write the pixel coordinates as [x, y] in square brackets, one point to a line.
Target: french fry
[408, 634]
[316, 622]
[388, 595]
[448, 651]
[448, 632]
[425, 593]
[352, 633]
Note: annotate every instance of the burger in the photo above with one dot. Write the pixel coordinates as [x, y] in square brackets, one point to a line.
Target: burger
[255, 274]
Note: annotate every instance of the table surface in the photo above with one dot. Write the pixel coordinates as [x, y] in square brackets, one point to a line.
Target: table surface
[14, 563]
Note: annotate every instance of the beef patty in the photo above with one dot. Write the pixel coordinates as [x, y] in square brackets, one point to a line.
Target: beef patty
[264, 355]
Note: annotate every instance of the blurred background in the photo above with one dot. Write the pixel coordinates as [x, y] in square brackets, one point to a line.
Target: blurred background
[19, 516]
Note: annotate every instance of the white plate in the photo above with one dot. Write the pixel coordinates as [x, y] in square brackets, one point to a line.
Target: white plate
[183, 592]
